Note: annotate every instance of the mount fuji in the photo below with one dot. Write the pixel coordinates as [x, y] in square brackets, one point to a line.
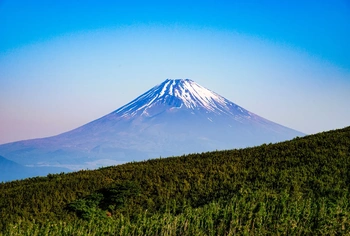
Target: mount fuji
[173, 118]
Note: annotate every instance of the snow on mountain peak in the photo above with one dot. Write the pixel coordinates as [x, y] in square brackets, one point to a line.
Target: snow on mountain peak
[194, 95]
[179, 93]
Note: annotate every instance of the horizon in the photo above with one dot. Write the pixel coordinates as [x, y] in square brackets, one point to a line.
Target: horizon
[63, 64]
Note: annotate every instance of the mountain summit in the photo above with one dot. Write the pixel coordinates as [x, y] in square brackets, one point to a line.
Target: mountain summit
[173, 118]
[178, 94]
[181, 96]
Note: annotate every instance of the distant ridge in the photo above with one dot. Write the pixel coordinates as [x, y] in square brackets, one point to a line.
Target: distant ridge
[10, 170]
[173, 118]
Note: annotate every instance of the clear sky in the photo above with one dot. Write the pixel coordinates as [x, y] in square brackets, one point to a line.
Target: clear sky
[63, 64]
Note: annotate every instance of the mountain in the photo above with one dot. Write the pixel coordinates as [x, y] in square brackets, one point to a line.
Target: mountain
[10, 170]
[173, 118]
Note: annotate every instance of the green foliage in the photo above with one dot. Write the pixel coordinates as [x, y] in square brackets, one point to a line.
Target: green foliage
[87, 208]
[256, 214]
[104, 200]
[295, 187]
[117, 195]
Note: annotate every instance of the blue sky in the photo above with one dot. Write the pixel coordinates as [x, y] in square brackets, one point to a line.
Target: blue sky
[63, 64]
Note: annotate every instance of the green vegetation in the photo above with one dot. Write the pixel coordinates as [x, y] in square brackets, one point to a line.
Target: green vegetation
[290, 188]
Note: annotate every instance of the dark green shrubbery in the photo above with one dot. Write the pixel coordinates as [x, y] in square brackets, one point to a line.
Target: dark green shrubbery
[88, 208]
[101, 203]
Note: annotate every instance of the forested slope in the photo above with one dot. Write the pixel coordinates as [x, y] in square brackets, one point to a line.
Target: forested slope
[303, 183]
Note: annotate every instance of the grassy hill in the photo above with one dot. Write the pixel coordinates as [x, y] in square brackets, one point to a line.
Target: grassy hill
[295, 187]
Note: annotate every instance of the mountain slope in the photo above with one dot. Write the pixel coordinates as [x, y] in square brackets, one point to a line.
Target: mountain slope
[173, 118]
[304, 181]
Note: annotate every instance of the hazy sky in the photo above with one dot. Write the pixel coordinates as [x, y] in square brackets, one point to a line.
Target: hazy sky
[64, 64]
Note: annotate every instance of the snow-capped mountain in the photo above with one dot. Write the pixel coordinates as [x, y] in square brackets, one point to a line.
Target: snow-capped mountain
[173, 118]
[178, 93]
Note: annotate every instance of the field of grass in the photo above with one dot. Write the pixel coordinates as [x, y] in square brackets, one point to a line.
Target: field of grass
[256, 215]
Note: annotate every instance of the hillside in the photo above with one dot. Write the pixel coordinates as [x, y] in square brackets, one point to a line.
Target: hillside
[299, 186]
